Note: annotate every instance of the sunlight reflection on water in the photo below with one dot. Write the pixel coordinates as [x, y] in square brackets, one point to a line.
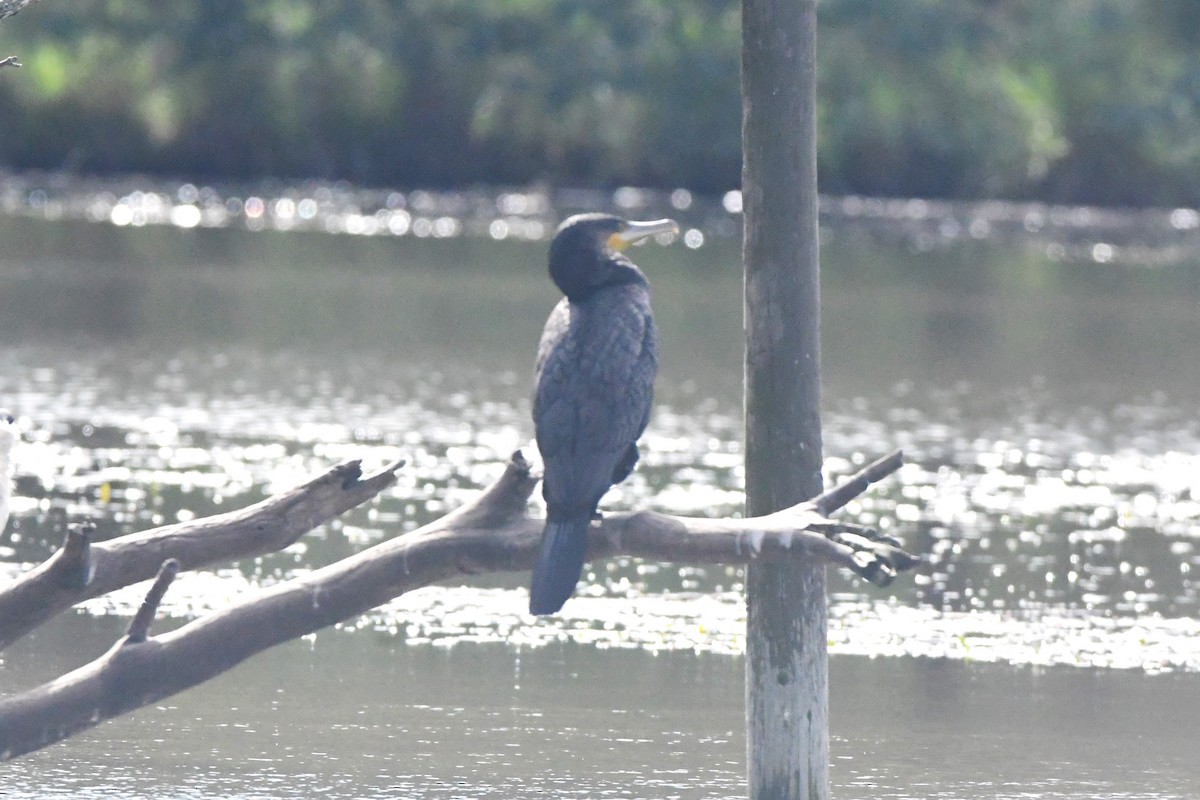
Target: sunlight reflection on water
[1076, 233]
[1045, 552]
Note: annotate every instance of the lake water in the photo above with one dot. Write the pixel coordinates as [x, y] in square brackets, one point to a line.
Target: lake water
[1037, 365]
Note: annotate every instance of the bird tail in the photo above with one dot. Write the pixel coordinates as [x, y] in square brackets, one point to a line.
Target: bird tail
[559, 564]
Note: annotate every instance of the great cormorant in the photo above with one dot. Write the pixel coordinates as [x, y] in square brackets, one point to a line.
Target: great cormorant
[593, 386]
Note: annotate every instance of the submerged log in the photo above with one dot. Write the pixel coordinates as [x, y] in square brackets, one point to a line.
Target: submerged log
[493, 532]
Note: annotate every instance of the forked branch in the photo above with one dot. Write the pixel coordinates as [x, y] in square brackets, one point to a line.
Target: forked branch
[81, 570]
[493, 532]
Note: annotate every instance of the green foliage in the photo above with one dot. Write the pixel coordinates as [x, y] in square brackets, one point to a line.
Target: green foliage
[1074, 100]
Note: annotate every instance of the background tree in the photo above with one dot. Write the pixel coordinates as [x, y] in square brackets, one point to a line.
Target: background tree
[1093, 101]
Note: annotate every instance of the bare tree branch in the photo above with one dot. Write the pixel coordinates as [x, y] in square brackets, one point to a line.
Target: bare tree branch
[493, 532]
[80, 570]
[837, 496]
[10, 7]
[7, 9]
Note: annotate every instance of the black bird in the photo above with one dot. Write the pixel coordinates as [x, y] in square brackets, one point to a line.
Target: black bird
[593, 386]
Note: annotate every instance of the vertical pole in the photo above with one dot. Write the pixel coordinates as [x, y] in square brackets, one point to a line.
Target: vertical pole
[787, 679]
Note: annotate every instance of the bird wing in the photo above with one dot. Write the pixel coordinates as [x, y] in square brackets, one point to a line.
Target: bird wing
[554, 415]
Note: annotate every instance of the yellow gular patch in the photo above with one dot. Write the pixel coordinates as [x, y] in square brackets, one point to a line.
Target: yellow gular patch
[617, 242]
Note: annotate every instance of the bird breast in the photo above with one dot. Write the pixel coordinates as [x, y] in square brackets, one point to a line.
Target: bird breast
[595, 371]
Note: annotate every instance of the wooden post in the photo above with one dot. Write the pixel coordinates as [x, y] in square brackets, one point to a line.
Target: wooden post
[787, 680]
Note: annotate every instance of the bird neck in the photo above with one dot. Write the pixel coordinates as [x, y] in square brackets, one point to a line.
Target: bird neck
[579, 281]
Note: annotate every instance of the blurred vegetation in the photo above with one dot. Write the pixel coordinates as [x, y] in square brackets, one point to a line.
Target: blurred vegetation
[1094, 101]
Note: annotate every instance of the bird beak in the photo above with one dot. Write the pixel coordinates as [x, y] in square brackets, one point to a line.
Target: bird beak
[636, 231]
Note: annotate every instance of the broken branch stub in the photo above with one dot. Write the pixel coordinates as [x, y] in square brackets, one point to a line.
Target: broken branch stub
[140, 625]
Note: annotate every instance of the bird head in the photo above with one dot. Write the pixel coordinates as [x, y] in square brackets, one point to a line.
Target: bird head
[586, 252]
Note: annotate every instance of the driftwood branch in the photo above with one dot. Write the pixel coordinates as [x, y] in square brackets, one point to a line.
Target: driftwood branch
[9, 61]
[491, 533]
[81, 570]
